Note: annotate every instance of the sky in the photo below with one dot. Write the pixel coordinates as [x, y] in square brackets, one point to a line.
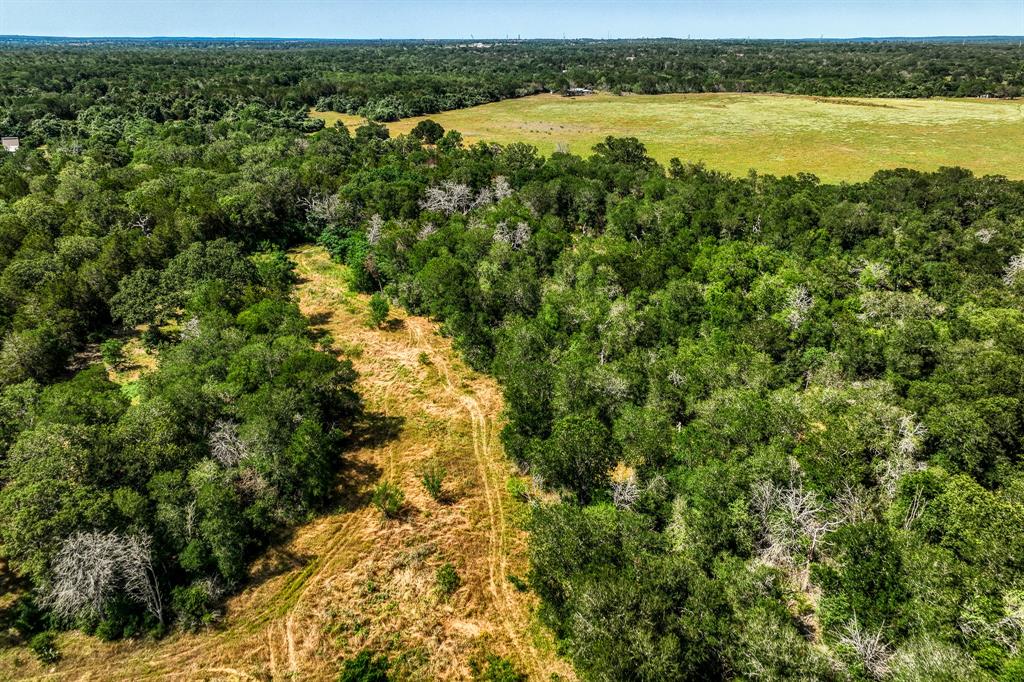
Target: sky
[500, 18]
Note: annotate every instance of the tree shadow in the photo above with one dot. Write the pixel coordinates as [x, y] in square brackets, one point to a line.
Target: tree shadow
[356, 477]
[355, 485]
[318, 319]
[448, 497]
[374, 429]
[406, 513]
[276, 561]
[394, 325]
[12, 589]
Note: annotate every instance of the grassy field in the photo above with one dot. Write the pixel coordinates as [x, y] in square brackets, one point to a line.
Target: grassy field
[836, 139]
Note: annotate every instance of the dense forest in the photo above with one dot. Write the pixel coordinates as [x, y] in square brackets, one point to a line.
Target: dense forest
[48, 85]
[771, 427]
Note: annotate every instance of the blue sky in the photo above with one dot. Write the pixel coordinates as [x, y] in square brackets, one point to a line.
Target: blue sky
[497, 18]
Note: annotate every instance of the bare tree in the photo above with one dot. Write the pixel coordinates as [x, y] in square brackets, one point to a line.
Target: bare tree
[143, 223]
[140, 580]
[484, 198]
[792, 523]
[500, 188]
[911, 434]
[625, 491]
[896, 307]
[985, 234]
[909, 437]
[870, 647]
[1014, 269]
[190, 329]
[323, 209]
[85, 572]
[1007, 630]
[875, 272]
[516, 237]
[375, 229]
[427, 230]
[853, 504]
[91, 568]
[448, 198]
[226, 445]
[798, 305]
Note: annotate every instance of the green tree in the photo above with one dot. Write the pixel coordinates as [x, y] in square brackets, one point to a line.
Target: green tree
[428, 130]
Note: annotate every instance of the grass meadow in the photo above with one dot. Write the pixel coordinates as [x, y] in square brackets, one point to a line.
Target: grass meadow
[835, 138]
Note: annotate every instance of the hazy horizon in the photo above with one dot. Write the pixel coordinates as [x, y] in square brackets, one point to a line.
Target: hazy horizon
[452, 38]
[500, 19]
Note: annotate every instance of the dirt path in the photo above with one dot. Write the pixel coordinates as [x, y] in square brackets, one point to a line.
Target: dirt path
[350, 580]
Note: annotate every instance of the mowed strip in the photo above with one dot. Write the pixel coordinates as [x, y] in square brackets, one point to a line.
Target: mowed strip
[352, 580]
[837, 139]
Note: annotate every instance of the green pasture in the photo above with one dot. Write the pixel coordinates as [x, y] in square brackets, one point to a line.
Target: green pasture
[836, 139]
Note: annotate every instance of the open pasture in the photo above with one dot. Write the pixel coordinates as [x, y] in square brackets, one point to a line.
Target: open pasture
[835, 138]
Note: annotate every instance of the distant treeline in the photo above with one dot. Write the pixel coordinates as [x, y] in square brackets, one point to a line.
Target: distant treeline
[50, 85]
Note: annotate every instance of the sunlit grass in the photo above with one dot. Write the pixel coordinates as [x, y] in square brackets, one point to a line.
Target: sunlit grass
[836, 139]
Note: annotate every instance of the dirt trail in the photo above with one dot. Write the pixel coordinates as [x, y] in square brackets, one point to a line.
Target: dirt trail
[349, 579]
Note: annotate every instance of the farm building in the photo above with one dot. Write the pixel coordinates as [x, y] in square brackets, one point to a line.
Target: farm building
[11, 144]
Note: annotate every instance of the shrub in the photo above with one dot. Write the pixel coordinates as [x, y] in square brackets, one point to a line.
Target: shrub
[44, 646]
[433, 480]
[112, 351]
[389, 498]
[379, 310]
[448, 579]
[193, 605]
[365, 667]
[517, 489]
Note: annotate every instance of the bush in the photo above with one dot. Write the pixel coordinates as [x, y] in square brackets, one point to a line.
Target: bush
[389, 498]
[334, 238]
[27, 618]
[379, 310]
[518, 489]
[433, 480]
[112, 351]
[193, 605]
[365, 667]
[44, 646]
[448, 579]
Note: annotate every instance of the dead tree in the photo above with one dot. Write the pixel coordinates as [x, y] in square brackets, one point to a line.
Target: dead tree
[91, 568]
[226, 445]
[448, 198]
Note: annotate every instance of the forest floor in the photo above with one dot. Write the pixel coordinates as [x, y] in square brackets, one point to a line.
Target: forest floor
[350, 579]
[837, 139]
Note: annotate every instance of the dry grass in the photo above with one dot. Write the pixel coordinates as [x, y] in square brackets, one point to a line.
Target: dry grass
[137, 361]
[836, 139]
[350, 579]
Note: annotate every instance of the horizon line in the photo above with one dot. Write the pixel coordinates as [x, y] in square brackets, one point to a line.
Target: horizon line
[909, 38]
